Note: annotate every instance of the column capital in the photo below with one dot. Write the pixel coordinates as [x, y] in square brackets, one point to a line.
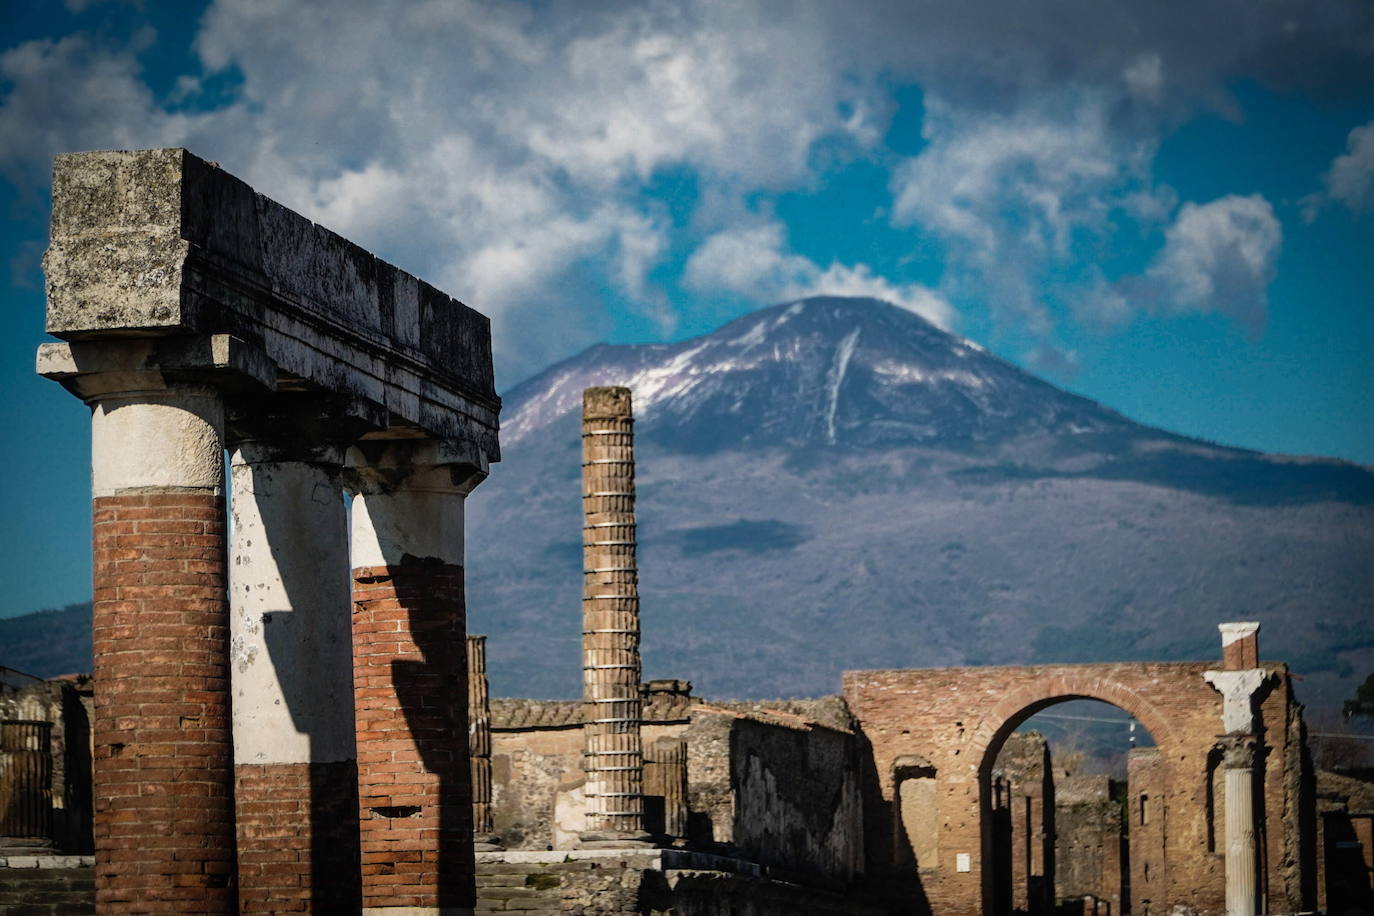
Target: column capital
[1237, 689]
[1237, 751]
[312, 427]
[97, 369]
[377, 466]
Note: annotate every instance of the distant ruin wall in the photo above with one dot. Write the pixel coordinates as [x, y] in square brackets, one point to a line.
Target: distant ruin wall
[784, 795]
[65, 704]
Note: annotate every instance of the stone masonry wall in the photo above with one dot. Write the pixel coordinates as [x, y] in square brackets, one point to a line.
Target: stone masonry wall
[778, 792]
[630, 883]
[531, 766]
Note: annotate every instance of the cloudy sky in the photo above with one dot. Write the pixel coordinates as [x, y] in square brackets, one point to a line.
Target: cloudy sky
[1165, 206]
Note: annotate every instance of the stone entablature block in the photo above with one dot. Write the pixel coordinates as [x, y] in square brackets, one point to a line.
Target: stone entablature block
[161, 242]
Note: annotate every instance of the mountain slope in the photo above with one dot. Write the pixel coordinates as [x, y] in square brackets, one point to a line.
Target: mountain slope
[836, 483]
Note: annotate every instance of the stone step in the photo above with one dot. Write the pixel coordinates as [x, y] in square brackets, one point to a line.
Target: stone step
[47, 892]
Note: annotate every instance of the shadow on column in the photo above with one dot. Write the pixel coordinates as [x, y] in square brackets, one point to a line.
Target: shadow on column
[335, 859]
[433, 695]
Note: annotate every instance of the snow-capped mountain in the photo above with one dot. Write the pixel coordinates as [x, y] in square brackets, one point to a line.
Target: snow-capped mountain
[827, 371]
[837, 483]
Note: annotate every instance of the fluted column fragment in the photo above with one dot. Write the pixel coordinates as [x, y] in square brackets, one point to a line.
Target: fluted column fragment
[613, 755]
[479, 746]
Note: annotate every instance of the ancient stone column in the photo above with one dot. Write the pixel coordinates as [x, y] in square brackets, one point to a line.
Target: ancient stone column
[295, 766]
[410, 676]
[1238, 684]
[1238, 765]
[479, 746]
[613, 754]
[164, 819]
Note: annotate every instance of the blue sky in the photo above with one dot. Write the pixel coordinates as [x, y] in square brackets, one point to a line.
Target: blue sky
[1167, 207]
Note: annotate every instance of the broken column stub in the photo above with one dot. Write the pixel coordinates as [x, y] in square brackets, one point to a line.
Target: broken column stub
[162, 243]
[479, 747]
[1239, 645]
[291, 665]
[613, 757]
[410, 675]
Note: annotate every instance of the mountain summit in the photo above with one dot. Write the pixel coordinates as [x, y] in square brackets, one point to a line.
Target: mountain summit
[836, 483]
[821, 371]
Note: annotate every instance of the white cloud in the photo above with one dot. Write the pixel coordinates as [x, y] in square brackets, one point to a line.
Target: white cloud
[1219, 257]
[751, 262]
[510, 151]
[1350, 179]
[1015, 196]
[74, 94]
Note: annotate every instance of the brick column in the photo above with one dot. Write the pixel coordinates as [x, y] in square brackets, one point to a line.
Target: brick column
[295, 767]
[164, 833]
[479, 746]
[613, 755]
[410, 679]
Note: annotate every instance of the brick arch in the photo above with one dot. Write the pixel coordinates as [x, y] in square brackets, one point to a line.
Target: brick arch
[956, 718]
[1016, 707]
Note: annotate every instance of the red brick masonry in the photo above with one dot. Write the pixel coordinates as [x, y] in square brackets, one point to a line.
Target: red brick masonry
[410, 683]
[164, 828]
[298, 837]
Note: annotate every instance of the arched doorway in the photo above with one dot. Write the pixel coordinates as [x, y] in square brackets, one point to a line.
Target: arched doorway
[1001, 891]
[1058, 802]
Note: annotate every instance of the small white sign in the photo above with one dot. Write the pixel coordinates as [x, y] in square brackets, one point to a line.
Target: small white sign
[961, 862]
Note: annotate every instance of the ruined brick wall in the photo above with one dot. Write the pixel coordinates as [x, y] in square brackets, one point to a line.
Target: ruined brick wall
[1087, 841]
[1345, 843]
[1024, 826]
[957, 718]
[777, 789]
[1147, 819]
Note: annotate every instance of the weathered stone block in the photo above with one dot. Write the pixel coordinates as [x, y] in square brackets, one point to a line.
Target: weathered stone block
[160, 242]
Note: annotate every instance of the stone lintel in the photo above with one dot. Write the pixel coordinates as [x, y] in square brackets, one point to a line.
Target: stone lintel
[160, 242]
[298, 426]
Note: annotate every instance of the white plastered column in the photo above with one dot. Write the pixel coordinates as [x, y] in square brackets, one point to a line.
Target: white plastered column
[291, 650]
[146, 435]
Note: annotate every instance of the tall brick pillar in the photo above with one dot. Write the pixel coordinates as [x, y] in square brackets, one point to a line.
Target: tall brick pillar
[295, 767]
[613, 757]
[1238, 683]
[410, 677]
[164, 821]
[479, 746]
